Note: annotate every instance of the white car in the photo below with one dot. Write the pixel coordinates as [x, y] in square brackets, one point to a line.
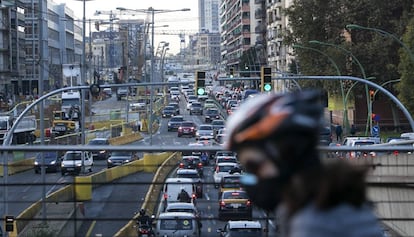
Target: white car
[73, 160]
[223, 169]
[205, 131]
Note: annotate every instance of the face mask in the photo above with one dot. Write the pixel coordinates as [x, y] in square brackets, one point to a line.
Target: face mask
[264, 193]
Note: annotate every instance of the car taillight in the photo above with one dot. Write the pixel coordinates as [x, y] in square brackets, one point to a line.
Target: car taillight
[222, 204]
[180, 128]
[194, 196]
[200, 165]
[143, 231]
[181, 165]
[396, 153]
[248, 203]
[165, 196]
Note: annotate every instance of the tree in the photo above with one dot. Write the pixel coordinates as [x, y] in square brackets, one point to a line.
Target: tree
[405, 87]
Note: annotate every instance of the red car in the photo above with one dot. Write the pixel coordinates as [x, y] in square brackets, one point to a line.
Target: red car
[187, 128]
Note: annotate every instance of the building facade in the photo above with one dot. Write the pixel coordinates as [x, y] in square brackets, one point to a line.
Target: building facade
[279, 56]
[242, 28]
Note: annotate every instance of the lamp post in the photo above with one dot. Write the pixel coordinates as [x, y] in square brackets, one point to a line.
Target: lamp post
[369, 109]
[153, 12]
[338, 72]
[383, 33]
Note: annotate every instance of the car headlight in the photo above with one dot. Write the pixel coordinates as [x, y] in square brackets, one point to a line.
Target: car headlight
[126, 161]
[109, 161]
[211, 134]
[36, 163]
[62, 165]
[53, 162]
[102, 152]
[79, 165]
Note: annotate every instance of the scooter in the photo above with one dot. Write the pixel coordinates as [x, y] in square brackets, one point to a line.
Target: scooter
[146, 230]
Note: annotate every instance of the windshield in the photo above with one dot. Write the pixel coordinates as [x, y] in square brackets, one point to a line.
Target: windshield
[97, 142]
[226, 168]
[191, 176]
[70, 102]
[73, 156]
[246, 232]
[3, 125]
[235, 195]
[176, 119]
[121, 153]
[176, 224]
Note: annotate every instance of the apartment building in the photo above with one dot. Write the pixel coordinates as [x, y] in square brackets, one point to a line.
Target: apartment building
[278, 54]
[242, 28]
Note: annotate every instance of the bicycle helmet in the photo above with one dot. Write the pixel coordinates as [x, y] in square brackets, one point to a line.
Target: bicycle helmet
[142, 212]
[286, 126]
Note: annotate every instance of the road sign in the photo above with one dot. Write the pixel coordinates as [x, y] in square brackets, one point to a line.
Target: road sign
[375, 131]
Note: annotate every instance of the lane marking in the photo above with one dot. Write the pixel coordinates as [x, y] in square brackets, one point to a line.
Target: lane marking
[90, 229]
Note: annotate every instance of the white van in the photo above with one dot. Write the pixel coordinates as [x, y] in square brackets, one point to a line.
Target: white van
[173, 187]
[177, 224]
[73, 161]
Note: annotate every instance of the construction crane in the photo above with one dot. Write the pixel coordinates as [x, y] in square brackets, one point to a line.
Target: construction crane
[112, 18]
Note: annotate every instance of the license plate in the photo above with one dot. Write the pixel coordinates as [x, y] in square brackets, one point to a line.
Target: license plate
[144, 235]
[186, 130]
[60, 128]
[235, 205]
[70, 168]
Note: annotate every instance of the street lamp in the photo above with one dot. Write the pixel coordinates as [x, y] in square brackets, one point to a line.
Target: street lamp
[153, 12]
[369, 109]
[383, 33]
[338, 72]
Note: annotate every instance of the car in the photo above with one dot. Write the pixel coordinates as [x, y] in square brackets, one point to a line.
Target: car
[175, 122]
[178, 224]
[218, 124]
[73, 161]
[209, 103]
[220, 136]
[107, 91]
[205, 131]
[187, 128]
[182, 207]
[140, 105]
[173, 187]
[122, 92]
[192, 162]
[234, 204]
[230, 182]
[360, 154]
[120, 157]
[196, 108]
[222, 169]
[195, 175]
[102, 154]
[224, 159]
[52, 162]
[211, 114]
[175, 95]
[176, 106]
[225, 153]
[168, 112]
[241, 228]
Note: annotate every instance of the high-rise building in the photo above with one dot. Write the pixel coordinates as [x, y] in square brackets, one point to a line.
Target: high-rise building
[12, 51]
[242, 28]
[209, 15]
[277, 23]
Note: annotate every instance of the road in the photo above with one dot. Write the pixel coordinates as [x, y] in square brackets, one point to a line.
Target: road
[107, 202]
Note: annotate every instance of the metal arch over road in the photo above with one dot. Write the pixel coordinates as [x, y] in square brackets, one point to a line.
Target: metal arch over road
[333, 78]
[367, 82]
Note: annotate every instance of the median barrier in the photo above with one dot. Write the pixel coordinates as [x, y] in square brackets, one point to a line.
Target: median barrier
[18, 166]
[24, 218]
[83, 188]
[121, 140]
[153, 193]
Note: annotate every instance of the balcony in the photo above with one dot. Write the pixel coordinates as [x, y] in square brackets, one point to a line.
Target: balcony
[259, 14]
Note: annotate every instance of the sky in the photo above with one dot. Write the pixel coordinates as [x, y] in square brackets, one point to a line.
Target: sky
[186, 22]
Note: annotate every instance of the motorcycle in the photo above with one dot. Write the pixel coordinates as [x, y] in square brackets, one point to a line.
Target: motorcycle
[145, 230]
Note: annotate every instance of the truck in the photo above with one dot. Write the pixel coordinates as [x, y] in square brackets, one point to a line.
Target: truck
[24, 132]
[70, 99]
[66, 122]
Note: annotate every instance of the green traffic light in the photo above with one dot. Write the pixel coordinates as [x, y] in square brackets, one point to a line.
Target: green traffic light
[200, 91]
[267, 87]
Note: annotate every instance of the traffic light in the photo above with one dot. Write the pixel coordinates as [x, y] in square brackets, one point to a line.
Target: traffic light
[372, 95]
[266, 79]
[231, 72]
[200, 82]
[9, 223]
